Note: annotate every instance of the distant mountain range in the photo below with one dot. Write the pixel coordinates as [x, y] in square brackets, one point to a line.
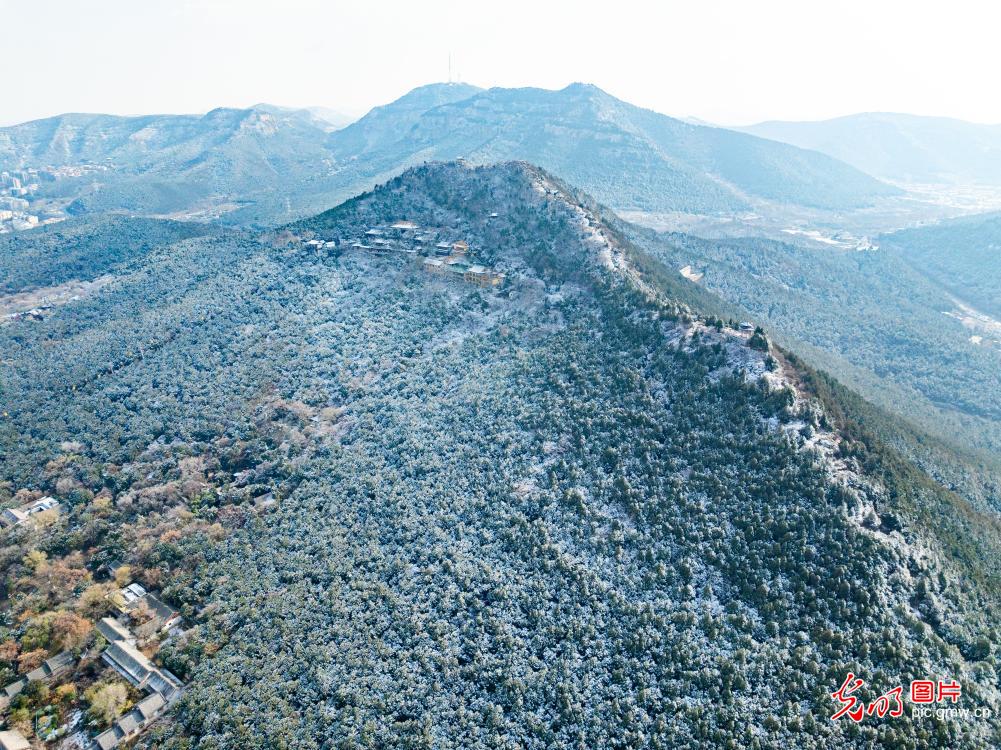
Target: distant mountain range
[905, 148]
[276, 163]
[627, 157]
[156, 143]
[166, 163]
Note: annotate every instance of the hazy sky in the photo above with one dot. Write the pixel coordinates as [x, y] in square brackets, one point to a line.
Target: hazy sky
[727, 62]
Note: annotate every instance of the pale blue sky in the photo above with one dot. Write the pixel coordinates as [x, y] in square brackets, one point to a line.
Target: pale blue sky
[724, 61]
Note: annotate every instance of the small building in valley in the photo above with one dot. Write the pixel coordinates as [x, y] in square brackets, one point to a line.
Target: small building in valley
[135, 666]
[151, 616]
[52, 667]
[129, 662]
[161, 687]
[125, 598]
[147, 615]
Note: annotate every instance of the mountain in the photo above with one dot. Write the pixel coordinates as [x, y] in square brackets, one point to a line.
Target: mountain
[904, 148]
[169, 163]
[962, 255]
[154, 143]
[627, 157]
[399, 505]
[391, 122]
[895, 322]
[243, 165]
[269, 164]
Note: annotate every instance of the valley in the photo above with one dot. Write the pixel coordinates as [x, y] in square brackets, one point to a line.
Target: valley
[37, 301]
[984, 328]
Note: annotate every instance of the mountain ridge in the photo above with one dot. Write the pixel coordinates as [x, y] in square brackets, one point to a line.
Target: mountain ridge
[582, 121]
[266, 164]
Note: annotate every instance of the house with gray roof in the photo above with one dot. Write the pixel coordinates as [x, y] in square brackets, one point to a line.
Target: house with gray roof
[135, 721]
[163, 617]
[17, 516]
[50, 669]
[112, 630]
[129, 662]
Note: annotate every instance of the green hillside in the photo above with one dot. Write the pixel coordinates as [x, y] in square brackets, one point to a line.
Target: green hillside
[962, 255]
[399, 509]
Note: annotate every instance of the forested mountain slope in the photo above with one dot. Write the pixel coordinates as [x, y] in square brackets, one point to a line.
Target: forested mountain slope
[887, 321]
[401, 510]
[962, 255]
[85, 248]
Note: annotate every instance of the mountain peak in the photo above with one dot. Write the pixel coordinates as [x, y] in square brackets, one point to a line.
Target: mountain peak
[438, 92]
[588, 92]
[583, 88]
